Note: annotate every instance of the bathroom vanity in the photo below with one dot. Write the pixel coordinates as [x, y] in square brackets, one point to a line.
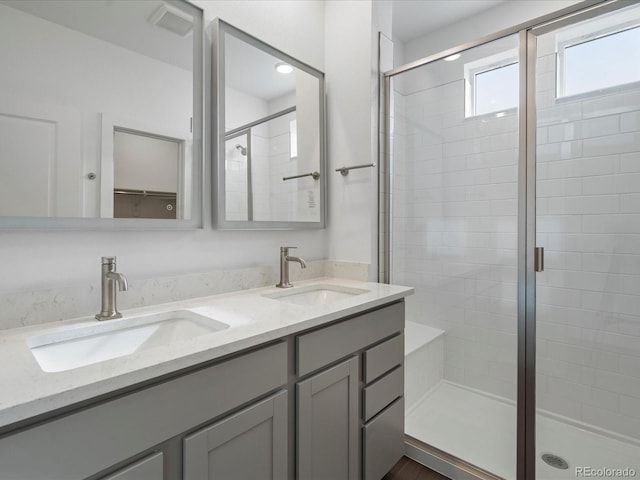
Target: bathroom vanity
[310, 385]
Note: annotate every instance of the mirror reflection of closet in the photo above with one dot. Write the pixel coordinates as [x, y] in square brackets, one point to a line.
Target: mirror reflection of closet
[146, 172]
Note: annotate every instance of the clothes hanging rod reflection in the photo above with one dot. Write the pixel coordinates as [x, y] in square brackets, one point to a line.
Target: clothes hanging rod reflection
[315, 175]
[144, 193]
[345, 170]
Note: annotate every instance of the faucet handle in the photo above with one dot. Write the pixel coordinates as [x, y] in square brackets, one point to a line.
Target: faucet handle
[286, 249]
[108, 260]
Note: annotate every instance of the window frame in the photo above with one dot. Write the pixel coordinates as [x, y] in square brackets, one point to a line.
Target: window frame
[564, 41]
[471, 72]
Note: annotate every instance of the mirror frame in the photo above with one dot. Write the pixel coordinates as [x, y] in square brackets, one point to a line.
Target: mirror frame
[219, 29]
[117, 224]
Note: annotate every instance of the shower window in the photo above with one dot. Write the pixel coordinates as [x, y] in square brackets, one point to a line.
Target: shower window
[581, 57]
[491, 84]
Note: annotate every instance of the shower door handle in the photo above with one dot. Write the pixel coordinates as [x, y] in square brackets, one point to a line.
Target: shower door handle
[539, 259]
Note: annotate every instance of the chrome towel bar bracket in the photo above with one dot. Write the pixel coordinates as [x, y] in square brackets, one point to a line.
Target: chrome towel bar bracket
[345, 170]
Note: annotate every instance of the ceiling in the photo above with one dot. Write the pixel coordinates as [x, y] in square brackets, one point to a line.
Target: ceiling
[415, 18]
[252, 71]
[123, 23]
[126, 24]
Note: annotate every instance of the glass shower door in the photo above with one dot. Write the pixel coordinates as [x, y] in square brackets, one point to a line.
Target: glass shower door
[588, 221]
[454, 134]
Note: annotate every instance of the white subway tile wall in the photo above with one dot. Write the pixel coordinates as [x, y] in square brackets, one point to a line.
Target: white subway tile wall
[455, 231]
[455, 239]
[588, 208]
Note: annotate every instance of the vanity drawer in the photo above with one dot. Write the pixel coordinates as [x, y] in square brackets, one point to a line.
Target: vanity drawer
[149, 468]
[382, 358]
[383, 441]
[329, 344]
[383, 392]
[85, 443]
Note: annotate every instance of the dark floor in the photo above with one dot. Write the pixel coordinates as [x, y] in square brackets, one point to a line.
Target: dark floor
[407, 469]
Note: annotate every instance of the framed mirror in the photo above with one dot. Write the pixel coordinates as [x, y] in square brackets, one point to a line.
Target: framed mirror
[269, 136]
[101, 108]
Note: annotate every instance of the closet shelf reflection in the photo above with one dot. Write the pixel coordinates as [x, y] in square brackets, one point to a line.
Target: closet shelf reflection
[144, 193]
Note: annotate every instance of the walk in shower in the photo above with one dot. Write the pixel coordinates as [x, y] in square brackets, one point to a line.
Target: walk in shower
[514, 211]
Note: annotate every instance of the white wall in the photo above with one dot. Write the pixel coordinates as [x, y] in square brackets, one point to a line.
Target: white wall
[352, 199]
[244, 108]
[44, 259]
[54, 64]
[307, 189]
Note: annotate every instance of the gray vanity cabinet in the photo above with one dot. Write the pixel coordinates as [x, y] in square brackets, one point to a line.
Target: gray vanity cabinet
[250, 445]
[149, 468]
[102, 439]
[350, 407]
[327, 440]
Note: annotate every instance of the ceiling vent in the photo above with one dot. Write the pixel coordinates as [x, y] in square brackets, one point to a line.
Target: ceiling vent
[172, 19]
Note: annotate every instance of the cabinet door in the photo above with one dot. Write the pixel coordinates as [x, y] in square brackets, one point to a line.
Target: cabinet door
[251, 444]
[327, 443]
[149, 468]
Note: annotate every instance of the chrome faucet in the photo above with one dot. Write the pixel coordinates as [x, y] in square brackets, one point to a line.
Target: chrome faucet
[285, 258]
[109, 278]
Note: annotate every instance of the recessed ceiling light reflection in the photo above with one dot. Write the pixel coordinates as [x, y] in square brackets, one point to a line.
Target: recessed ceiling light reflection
[284, 68]
[452, 58]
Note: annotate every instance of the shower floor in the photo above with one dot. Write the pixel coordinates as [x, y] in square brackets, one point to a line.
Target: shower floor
[480, 429]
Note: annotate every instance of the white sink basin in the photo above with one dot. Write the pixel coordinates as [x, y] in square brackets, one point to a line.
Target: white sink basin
[316, 294]
[71, 348]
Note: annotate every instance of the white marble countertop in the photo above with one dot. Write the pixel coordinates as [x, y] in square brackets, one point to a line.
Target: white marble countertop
[254, 319]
